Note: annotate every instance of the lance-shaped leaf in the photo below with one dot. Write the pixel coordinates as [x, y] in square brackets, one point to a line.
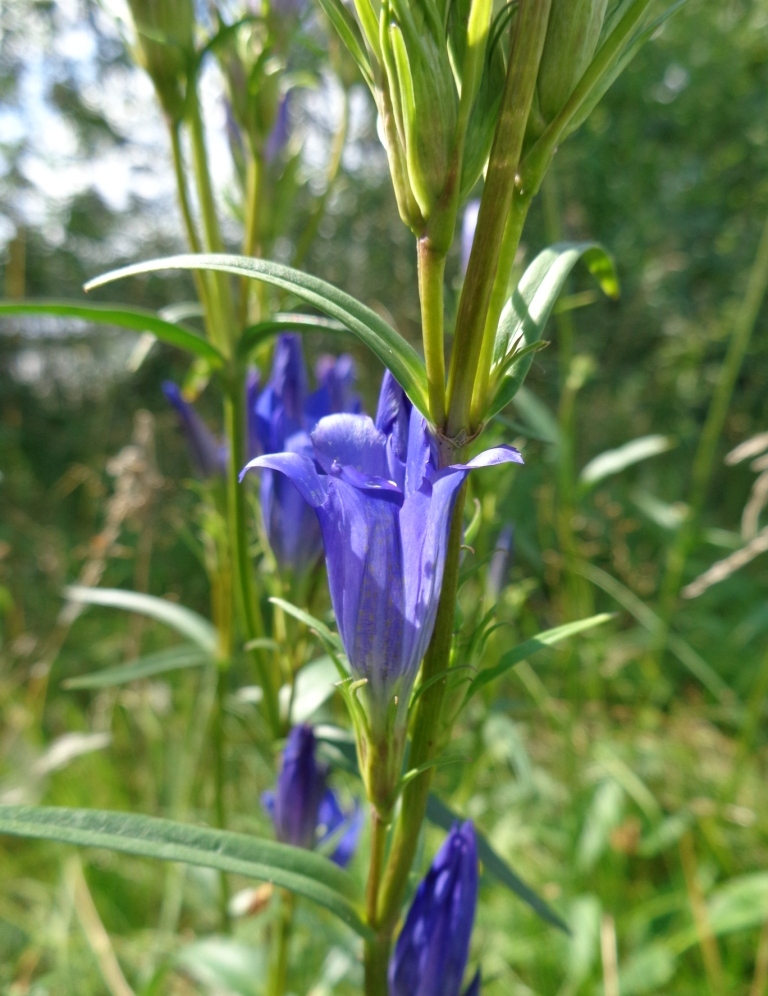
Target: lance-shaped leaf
[256, 334]
[348, 31]
[527, 311]
[175, 659]
[183, 620]
[296, 869]
[614, 461]
[393, 351]
[135, 319]
[443, 817]
[529, 647]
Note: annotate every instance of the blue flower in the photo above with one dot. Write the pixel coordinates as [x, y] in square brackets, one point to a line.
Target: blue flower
[284, 415]
[208, 454]
[430, 956]
[384, 509]
[305, 812]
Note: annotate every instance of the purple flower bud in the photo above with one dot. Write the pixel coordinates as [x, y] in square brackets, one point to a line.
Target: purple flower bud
[304, 810]
[468, 226]
[208, 455]
[431, 953]
[384, 509]
[300, 789]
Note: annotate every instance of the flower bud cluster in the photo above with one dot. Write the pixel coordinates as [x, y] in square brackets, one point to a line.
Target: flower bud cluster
[572, 39]
[165, 47]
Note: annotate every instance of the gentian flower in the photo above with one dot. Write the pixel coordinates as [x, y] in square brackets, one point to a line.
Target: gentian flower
[384, 509]
[430, 956]
[284, 416]
[208, 454]
[305, 812]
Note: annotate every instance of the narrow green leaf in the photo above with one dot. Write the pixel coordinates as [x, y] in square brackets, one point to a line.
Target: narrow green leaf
[183, 620]
[614, 461]
[546, 639]
[393, 351]
[328, 637]
[443, 817]
[527, 311]
[348, 31]
[150, 666]
[135, 319]
[255, 335]
[294, 868]
[648, 619]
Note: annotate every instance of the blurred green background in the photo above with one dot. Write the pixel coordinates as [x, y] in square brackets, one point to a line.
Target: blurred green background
[624, 782]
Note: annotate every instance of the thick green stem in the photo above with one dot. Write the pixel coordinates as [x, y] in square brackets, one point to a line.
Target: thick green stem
[278, 969]
[706, 452]
[431, 266]
[427, 737]
[242, 568]
[502, 175]
[377, 949]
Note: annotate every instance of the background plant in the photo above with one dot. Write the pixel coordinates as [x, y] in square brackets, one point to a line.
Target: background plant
[620, 687]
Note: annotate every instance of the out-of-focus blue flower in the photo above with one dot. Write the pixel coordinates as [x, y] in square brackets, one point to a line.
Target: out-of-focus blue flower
[208, 455]
[281, 132]
[468, 226]
[305, 812]
[384, 509]
[430, 956]
[497, 569]
[283, 417]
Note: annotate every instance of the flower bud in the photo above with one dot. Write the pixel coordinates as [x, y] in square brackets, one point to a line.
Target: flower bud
[572, 37]
[431, 953]
[423, 94]
[165, 46]
[305, 812]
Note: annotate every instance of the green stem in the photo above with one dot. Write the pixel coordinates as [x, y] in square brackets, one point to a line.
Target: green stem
[375, 950]
[501, 178]
[181, 186]
[513, 231]
[234, 413]
[431, 268]
[220, 783]
[706, 452]
[251, 236]
[427, 738]
[278, 969]
[222, 316]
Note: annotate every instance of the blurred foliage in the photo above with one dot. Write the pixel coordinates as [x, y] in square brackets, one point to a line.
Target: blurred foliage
[631, 798]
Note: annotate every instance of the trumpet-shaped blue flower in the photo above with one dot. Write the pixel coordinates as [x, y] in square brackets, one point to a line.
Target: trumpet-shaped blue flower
[305, 812]
[384, 509]
[284, 415]
[430, 956]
